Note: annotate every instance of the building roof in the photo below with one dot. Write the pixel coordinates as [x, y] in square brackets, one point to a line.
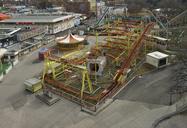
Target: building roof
[158, 38]
[36, 19]
[158, 55]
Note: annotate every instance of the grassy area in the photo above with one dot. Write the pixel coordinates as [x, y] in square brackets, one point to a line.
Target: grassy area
[5, 66]
[2, 9]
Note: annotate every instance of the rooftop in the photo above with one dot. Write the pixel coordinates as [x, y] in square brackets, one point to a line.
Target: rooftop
[36, 19]
[32, 81]
[157, 55]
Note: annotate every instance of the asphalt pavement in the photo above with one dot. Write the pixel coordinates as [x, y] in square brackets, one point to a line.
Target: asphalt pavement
[134, 107]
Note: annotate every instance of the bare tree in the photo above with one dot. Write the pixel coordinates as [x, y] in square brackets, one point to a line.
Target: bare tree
[169, 4]
[137, 5]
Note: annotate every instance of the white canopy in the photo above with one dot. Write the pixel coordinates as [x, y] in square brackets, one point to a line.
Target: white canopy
[70, 39]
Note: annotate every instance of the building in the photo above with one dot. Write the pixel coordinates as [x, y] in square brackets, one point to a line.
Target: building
[54, 24]
[115, 2]
[8, 36]
[157, 59]
[158, 42]
[31, 33]
[92, 5]
[11, 57]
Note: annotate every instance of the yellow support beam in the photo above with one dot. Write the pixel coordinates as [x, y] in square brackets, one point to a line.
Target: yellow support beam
[97, 42]
[83, 84]
[89, 82]
[85, 77]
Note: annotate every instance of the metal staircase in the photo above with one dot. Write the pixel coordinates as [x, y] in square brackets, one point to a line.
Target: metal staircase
[100, 21]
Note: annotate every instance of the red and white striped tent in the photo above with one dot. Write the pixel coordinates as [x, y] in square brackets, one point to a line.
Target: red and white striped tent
[69, 41]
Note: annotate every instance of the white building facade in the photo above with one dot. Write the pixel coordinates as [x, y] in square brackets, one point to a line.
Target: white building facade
[54, 24]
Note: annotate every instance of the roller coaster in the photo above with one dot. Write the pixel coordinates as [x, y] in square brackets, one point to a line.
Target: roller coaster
[90, 77]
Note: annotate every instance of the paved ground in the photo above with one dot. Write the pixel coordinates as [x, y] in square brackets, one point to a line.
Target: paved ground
[12, 85]
[175, 122]
[152, 88]
[19, 109]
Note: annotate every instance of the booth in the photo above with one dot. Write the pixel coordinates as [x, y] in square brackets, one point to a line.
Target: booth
[157, 59]
[42, 53]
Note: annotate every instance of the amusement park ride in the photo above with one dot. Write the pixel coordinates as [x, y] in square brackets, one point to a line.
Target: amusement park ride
[90, 77]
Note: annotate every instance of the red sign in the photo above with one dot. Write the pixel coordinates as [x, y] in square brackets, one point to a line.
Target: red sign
[24, 22]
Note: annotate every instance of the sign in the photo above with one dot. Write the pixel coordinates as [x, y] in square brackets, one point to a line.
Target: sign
[26, 23]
